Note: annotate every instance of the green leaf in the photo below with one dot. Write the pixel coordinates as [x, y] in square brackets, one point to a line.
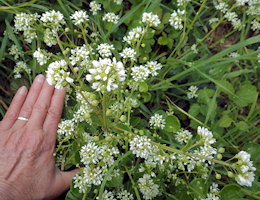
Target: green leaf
[143, 87]
[242, 126]
[146, 96]
[231, 192]
[254, 150]
[226, 87]
[225, 121]
[194, 109]
[245, 95]
[172, 124]
[163, 40]
[116, 181]
[204, 95]
[199, 187]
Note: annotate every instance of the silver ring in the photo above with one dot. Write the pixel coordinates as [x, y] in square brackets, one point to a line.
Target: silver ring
[22, 118]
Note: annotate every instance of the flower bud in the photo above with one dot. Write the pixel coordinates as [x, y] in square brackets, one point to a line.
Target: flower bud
[219, 156]
[123, 118]
[230, 174]
[218, 176]
[221, 150]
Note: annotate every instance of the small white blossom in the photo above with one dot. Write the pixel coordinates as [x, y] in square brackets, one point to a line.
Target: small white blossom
[140, 73]
[128, 53]
[111, 17]
[241, 2]
[105, 74]
[176, 19]
[192, 92]
[150, 19]
[194, 48]
[41, 56]
[147, 187]
[134, 35]
[157, 121]
[79, 17]
[118, 2]
[183, 136]
[49, 38]
[221, 6]
[125, 195]
[206, 135]
[94, 7]
[105, 49]
[53, 19]
[57, 74]
[14, 50]
[153, 66]
[66, 127]
[19, 68]
[255, 25]
[80, 55]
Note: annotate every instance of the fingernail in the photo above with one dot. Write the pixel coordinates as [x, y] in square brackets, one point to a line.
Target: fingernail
[22, 90]
[39, 78]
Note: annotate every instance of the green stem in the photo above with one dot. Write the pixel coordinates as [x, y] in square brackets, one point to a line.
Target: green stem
[133, 184]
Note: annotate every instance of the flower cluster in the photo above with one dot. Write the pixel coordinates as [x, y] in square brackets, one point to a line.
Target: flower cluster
[245, 169]
[147, 187]
[157, 121]
[97, 160]
[80, 55]
[176, 19]
[41, 56]
[79, 17]
[183, 136]
[26, 22]
[106, 74]
[105, 49]
[111, 17]
[121, 195]
[53, 19]
[192, 92]
[66, 128]
[14, 50]
[57, 74]
[213, 193]
[94, 7]
[151, 19]
[128, 53]
[19, 68]
[134, 35]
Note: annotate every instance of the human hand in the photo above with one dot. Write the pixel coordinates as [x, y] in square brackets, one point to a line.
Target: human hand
[28, 169]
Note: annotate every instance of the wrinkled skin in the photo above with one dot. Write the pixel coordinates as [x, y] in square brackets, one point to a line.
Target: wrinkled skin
[28, 169]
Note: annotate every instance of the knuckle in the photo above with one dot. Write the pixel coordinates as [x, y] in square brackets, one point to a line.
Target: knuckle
[26, 109]
[11, 116]
[41, 107]
[54, 113]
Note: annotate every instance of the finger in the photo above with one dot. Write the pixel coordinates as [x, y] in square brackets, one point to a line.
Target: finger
[14, 109]
[63, 180]
[30, 100]
[54, 113]
[41, 106]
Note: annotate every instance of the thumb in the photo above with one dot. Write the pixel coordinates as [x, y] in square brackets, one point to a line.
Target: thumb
[63, 180]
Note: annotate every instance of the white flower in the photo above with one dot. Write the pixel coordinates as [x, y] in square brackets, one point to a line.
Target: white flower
[255, 25]
[105, 49]
[206, 135]
[14, 50]
[79, 17]
[245, 179]
[243, 156]
[111, 17]
[19, 68]
[134, 35]
[53, 19]
[153, 66]
[125, 195]
[57, 75]
[150, 19]
[140, 73]
[106, 74]
[108, 195]
[26, 22]
[128, 53]
[66, 127]
[181, 3]
[194, 48]
[80, 55]
[176, 19]
[157, 121]
[192, 92]
[183, 136]
[147, 187]
[49, 38]
[40, 56]
[222, 6]
[94, 7]
[141, 147]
